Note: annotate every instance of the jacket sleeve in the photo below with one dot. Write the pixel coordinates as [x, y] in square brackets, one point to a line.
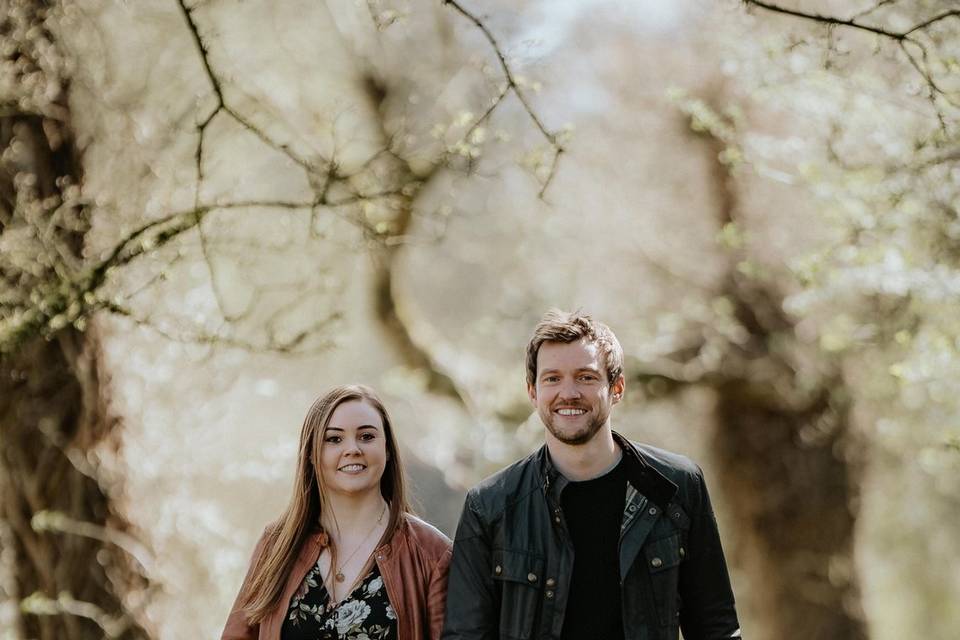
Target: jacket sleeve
[237, 626]
[707, 611]
[437, 595]
[472, 610]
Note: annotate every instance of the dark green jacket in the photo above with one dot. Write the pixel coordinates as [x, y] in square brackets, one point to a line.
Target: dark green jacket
[513, 558]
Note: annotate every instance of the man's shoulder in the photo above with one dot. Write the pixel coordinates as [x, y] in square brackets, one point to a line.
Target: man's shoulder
[685, 474]
[511, 483]
[675, 466]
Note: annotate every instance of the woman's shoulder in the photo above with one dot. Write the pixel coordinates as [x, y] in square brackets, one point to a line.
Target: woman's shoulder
[424, 536]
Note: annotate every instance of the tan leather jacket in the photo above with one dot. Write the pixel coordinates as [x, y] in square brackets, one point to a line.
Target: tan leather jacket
[413, 564]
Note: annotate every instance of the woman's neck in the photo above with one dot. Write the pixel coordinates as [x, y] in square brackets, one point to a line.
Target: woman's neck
[352, 514]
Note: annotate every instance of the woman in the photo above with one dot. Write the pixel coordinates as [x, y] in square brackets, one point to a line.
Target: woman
[346, 559]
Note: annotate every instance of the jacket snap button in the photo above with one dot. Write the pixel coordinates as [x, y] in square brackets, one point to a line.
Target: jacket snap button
[549, 594]
[551, 582]
[556, 519]
[498, 569]
[656, 562]
[683, 553]
[652, 511]
[632, 508]
[532, 577]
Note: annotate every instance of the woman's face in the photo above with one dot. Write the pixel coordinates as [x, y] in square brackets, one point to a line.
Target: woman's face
[353, 453]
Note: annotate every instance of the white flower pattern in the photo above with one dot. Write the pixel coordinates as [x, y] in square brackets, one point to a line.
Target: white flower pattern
[365, 614]
[350, 615]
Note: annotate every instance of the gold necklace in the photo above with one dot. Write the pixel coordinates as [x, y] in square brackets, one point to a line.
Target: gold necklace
[339, 574]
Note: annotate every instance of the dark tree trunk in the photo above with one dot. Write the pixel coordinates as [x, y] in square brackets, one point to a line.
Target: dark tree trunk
[788, 465]
[791, 487]
[69, 574]
[51, 415]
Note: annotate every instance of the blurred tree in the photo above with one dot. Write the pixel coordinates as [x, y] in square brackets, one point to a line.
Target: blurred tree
[52, 410]
[869, 107]
[78, 571]
[786, 347]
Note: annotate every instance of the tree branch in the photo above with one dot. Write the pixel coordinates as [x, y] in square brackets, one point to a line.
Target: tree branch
[514, 86]
[222, 105]
[902, 38]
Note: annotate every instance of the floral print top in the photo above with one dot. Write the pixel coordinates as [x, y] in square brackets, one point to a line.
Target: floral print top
[365, 614]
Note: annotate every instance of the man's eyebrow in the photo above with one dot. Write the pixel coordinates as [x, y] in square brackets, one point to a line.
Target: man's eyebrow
[590, 369]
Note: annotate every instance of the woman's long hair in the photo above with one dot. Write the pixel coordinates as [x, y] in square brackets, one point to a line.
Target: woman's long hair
[268, 576]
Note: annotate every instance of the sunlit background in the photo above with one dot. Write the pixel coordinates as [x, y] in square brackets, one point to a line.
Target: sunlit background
[213, 210]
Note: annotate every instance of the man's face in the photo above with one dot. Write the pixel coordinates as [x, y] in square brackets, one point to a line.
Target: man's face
[571, 392]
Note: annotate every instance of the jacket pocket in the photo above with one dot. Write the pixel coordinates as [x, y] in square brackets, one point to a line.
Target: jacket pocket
[520, 577]
[663, 559]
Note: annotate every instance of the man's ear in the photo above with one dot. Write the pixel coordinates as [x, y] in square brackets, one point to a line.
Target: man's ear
[532, 393]
[617, 388]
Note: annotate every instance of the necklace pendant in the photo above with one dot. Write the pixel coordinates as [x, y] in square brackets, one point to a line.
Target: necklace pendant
[340, 577]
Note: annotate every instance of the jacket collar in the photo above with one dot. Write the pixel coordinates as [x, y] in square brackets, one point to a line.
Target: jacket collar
[641, 474]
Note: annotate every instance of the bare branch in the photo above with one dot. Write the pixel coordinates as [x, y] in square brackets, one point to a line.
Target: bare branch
[291, 346]
[511, 85]
[902, 38]
[869, 10]
[954, 13]
[64, 302]
[852, 23]
[222, 104]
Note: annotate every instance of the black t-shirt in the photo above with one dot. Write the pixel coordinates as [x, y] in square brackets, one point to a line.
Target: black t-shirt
[594, 513]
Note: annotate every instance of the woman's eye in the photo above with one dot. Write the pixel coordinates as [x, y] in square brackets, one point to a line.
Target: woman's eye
[367, 437]
[332, 439]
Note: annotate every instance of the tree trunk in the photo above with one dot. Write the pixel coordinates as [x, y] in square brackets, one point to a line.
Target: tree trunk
[787, 465]
[791, 488]
[51, 416]
[69, 572]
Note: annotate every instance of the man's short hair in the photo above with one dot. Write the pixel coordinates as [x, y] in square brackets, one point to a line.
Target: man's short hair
[567, 327]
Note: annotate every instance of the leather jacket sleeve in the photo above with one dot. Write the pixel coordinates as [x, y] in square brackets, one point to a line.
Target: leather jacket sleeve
[437, 595]
[237, 626]
[708, 611]
[472, 610]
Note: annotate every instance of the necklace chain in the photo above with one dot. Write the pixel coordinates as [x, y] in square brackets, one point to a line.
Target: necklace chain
[339, 574]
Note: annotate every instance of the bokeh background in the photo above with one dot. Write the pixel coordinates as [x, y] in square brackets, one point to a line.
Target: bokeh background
[212, 210]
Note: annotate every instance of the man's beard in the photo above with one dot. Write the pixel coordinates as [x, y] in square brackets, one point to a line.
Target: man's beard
[581, 436]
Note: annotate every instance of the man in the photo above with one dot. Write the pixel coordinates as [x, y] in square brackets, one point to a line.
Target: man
[592, 536]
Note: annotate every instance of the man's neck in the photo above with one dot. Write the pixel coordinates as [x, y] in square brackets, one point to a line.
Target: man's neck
[592, 459]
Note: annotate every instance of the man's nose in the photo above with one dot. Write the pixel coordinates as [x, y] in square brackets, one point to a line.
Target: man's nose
[568, 390]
